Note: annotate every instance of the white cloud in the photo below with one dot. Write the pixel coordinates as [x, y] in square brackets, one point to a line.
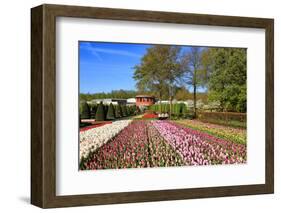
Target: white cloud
[96, 50]
[87, 46]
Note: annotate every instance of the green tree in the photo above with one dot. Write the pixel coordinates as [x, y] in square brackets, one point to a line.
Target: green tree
[93, 109]
[193, 70]
[123, 94]
[129, 110]
[124, 111]
[105, 109]
[158, 71]
[184, 111]
[227, 80]
[182, 94]
[178, 111]
[100, 115]
[85, 110]
[118, 111]
[134, 109]
[110, 112]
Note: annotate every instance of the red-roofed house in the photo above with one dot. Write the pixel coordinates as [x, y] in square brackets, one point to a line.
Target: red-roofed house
[145, 100]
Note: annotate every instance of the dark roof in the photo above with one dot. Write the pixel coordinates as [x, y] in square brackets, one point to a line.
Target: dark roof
[145, 96]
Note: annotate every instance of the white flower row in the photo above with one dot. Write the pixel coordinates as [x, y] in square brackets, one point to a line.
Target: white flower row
[94, 138]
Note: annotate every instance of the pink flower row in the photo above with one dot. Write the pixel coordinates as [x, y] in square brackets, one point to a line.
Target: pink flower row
[139, 145]
[199, 148]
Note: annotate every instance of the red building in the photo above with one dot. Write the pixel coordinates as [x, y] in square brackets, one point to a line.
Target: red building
[145, 100]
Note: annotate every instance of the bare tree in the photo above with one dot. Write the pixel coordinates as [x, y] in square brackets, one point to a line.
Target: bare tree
[193, 71]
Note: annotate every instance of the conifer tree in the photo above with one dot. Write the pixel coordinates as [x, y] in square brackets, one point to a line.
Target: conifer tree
[85, 110]
[100, 115]
[110, 112]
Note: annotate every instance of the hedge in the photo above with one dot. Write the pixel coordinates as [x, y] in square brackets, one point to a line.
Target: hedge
[110, 113]
[85, 110]
[178, 109]
[124, 111]
[93, 110]
[118, 111]
[226, 118]
[100, 114]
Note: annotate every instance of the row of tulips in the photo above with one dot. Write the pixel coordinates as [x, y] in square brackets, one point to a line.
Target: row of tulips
[233, 134]
[161, 152]
[95, 125]
[139, 145]
[200, 148]
[92, 139]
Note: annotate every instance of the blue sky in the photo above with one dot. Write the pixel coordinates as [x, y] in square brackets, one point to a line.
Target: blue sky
[108, 66]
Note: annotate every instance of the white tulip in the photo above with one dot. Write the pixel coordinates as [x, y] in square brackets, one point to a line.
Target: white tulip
[92, 139]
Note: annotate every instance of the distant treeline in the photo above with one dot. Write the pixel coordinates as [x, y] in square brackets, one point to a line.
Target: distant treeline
[123, 94]
[182, 94]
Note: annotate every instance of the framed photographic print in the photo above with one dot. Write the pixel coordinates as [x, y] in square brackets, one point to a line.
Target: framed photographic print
[136, 106]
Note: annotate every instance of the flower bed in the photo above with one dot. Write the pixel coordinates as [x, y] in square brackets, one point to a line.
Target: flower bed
[199, 148]
[94, 138]
[137, 146]
[140, 144]
[161, 152]
[234, 134]
[94, 125]
[149, 116]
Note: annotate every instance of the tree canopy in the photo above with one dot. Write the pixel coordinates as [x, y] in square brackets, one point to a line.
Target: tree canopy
[123, 94]
[227, 77]
[158, 70]
[173, 72]
[193, 71]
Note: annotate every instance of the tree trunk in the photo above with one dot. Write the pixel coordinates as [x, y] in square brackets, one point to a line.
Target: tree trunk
[194, 100]
[194, 90]
[160, 99]
[171, 98]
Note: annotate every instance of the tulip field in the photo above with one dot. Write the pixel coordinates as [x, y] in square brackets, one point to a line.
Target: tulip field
[237, 135]
[153, 105]
[160, 143]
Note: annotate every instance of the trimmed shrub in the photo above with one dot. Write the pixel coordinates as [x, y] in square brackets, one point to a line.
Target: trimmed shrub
[93, 110]
[134, 109]
[85, 110]
[225, 116]
[138, 111]
[178, 110]
[165, 108]
[130, 109]
[129, 112]
[105, 108]
[234, 119]
[184, 111]
[124, 110]
[118, 111]
[174, 108]
[100, 115]
[110, 112]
